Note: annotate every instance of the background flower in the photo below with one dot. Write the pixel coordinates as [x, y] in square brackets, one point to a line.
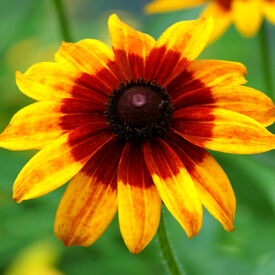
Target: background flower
[37, 259]
[247, 15]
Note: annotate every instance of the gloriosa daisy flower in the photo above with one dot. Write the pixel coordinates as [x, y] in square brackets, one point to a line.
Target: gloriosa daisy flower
[129, 126]
[246, 14]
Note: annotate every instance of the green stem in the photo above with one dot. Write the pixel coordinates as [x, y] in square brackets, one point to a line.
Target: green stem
[63, 20]
[166, 249]
[266, 58]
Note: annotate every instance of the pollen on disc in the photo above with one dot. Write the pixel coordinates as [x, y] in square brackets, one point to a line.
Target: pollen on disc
[139, 100]
[139, 105]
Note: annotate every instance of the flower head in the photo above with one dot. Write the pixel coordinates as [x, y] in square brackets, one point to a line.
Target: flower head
[130, 125]
[36, 259]
[245, 14]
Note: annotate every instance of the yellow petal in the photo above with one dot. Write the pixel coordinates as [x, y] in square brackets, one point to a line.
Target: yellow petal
[139, 204]
[218, 72]
[175, 185]
[34, 126]
[38, 258]
[90, 200]
[215, 83]
[201, 75]
[212, 184]
[130, 47]
[52, 81]
[245, 100]
[269, 10]
[222, 130]
[222, 18]
[171, 5]
[58, 162]
[247, 16]
[93, 57]
[176, 48]
[41, 123]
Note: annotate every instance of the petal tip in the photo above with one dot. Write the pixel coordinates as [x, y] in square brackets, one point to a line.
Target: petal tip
[69, 241]
[246, 32]
[209, 23]
[18, 77]
[230, 228]
[61, 236]
[151, 8]
[18, 74]
[17, 198]
[134, 250]
[113, 17]
[66, 242]
[194, 227]
[192, 234]
[65, 44]
[2, 139]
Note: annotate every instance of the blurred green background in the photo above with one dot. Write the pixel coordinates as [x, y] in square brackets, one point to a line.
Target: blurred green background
[30, 33]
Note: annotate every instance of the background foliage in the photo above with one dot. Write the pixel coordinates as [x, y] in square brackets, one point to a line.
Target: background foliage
[30, 33]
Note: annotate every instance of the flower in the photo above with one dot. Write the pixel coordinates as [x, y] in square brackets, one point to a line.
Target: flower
[246, 14]
[36, 259]
[129, 126]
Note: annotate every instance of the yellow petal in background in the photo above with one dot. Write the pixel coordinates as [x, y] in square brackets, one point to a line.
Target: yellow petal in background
[36, 259]
[247, 16]
[222, 19]
[269, 10]
[171, 5]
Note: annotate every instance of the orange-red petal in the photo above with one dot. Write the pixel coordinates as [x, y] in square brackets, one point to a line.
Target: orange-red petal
[240, 99]
[139, 204]
[244, 100]
[176, 48]
[204, 74]
[52, 81]
[90, 200]
[212, 184]
[216, 83]
[218, 72]
[58, 162]
[222, 130]
[41, 123]
[174, 184]
[94, 58]
[131, 48]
